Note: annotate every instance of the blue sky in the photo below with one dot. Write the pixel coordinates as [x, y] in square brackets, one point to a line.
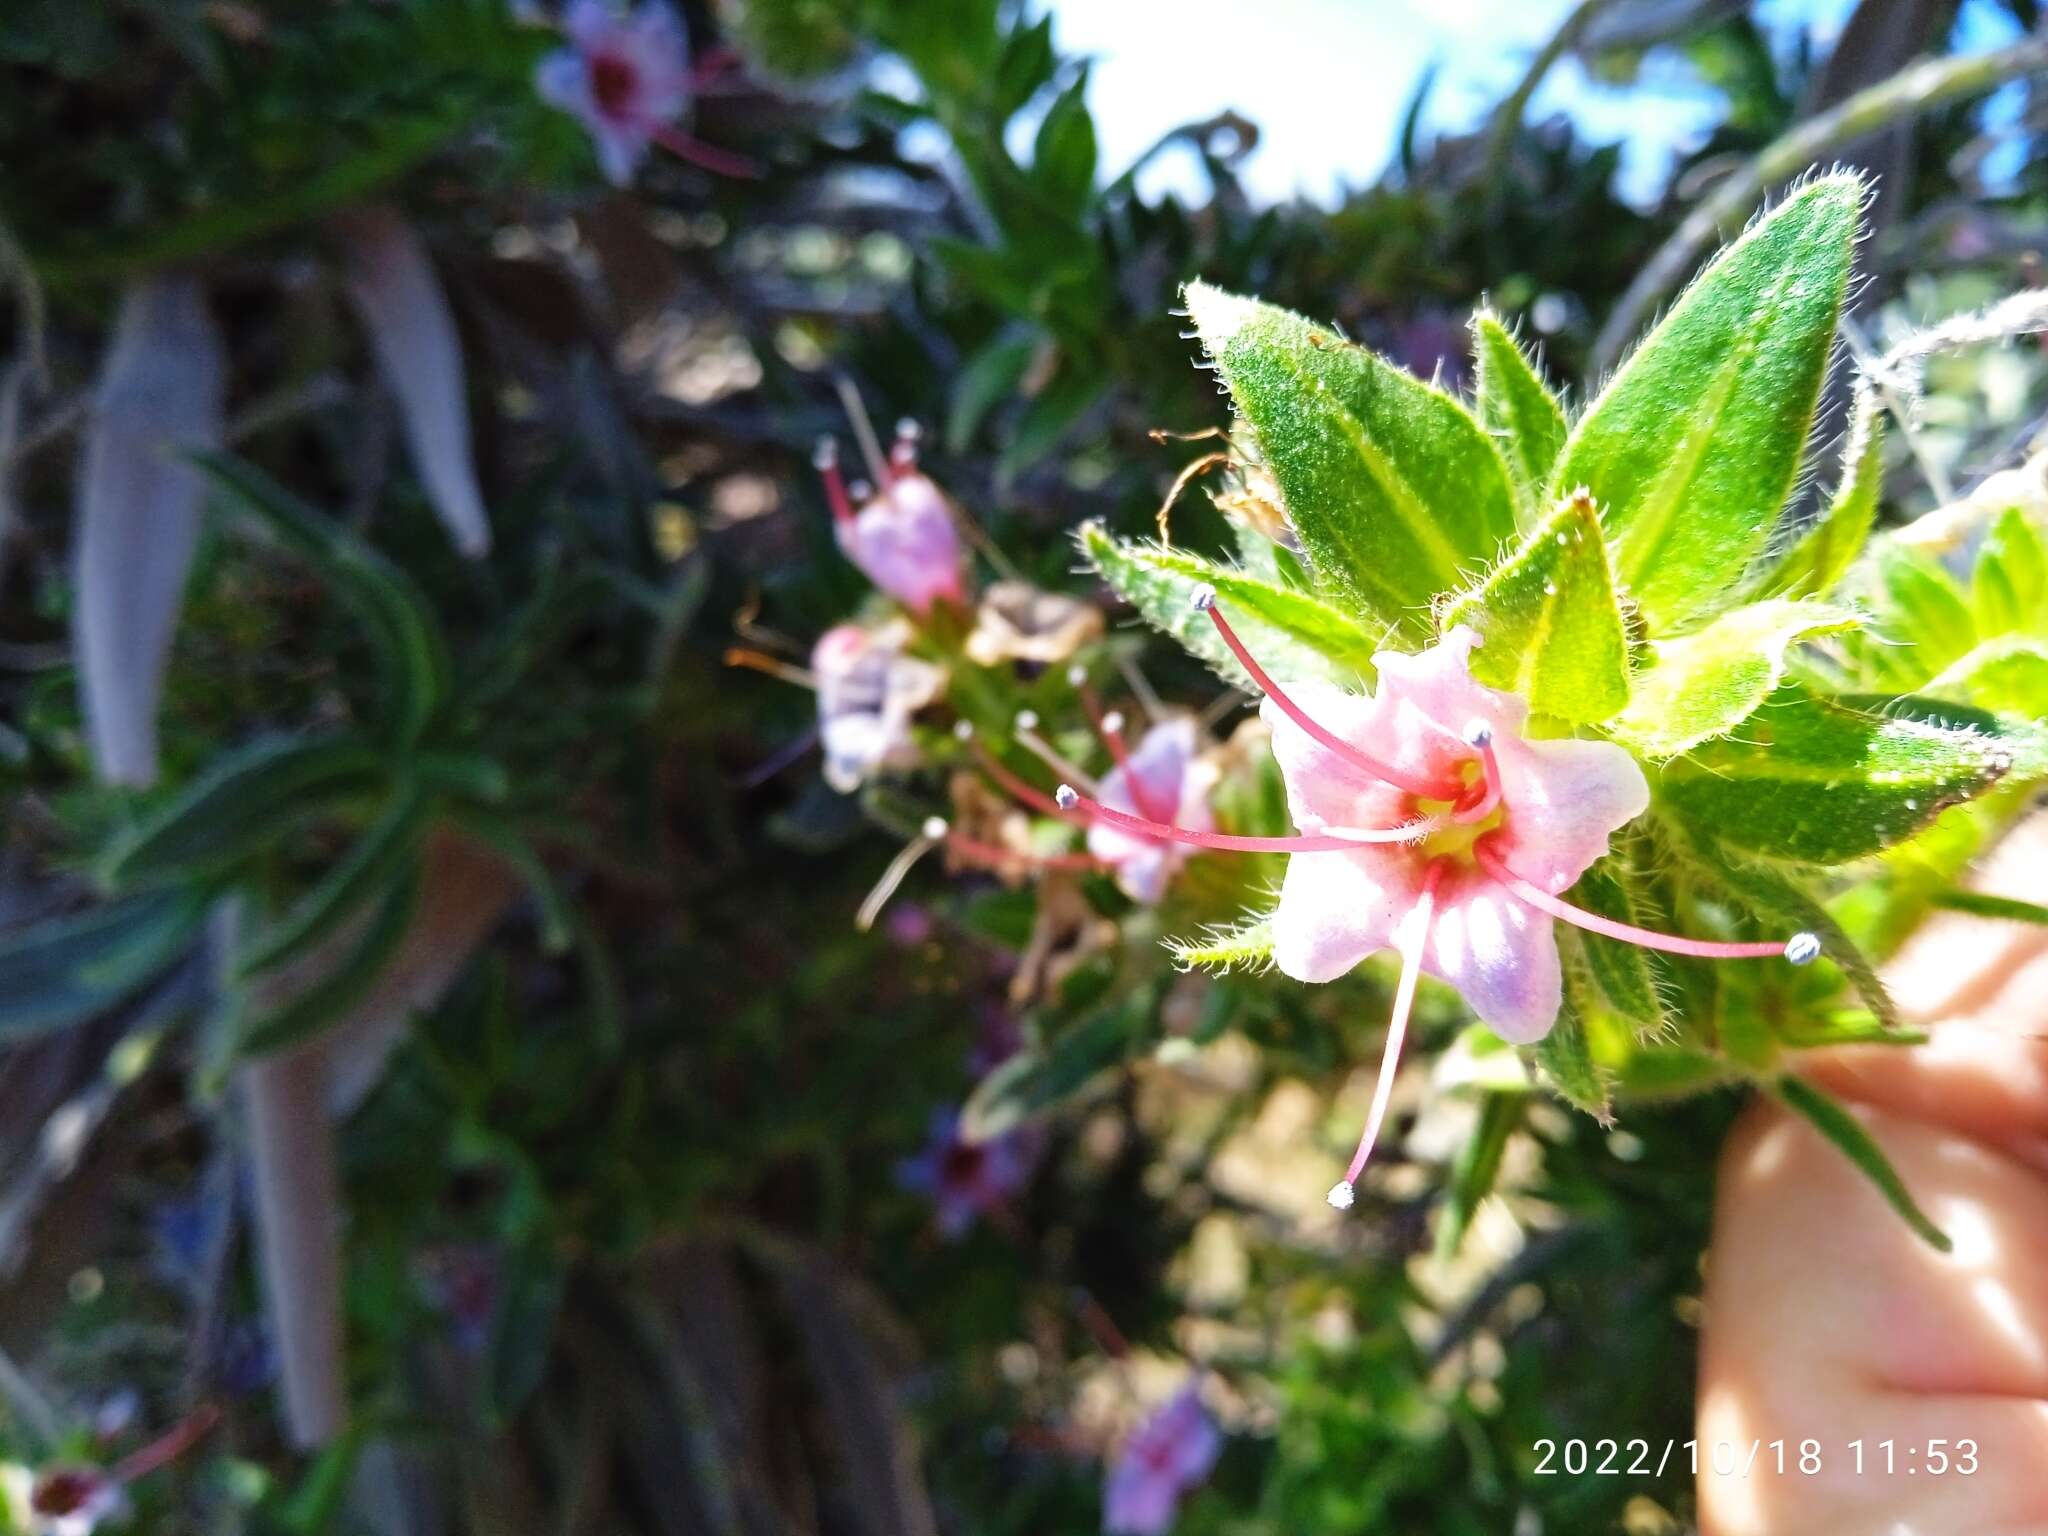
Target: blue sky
[1327, 80]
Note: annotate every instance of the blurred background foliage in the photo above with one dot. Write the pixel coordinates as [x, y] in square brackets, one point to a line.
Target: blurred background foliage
[625, 1244]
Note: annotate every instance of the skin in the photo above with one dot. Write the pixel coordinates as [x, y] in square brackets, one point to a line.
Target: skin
[1827, 1319]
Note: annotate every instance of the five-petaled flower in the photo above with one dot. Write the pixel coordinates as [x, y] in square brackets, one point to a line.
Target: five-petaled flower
[1168, 1455]
[966, 1179]
[627, 77]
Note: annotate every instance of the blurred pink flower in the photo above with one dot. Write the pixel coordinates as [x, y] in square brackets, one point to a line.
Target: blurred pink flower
[626, 76]
[74, 1501]
[967, 1179]
[1169, 1455]
[392, 284]
[868, 691]
[160, 392]
[1162, 779]
[903, 536]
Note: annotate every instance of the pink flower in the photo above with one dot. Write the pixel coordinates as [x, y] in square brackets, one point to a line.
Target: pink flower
[1162, 779]
[74, 1501]
[902, 536]
[1171, 1454]
[967, 1179]
[1433, 826]
[626, 76]
[1558, 803]
[868, 692]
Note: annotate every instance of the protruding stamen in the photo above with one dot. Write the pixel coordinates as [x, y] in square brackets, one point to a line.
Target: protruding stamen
[929, 837]
[1629, 933]
[1412, 943]
[995, 856]
[863, 428]
[1025, 729]
[1070, 799]
[1028, 794]
[903, 452]
[1479, 737]
[825, 457]
[709, 157]
[1341, 1194]
[1110, 727]
[1140, 687]
[1205, 602]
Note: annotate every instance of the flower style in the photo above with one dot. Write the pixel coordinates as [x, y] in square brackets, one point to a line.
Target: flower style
[967, 1179]
[901, 533]
[1433, 826]
[1162, 779]
[628, 78]
[868, 690]
[1168, 1456]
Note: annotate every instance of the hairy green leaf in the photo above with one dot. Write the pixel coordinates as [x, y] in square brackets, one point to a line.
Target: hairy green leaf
[1290, 633]
[2008, 674]
[2006, 908]
[1248, 947]
[1037, 1081]
[1856, 1143]
[1517, 407]
[1815, 782]
[1695, 444]
[1549, 623]
[1925, 609]
[1566, 1056]
[1622, 972]
[1706, 684]
[1395, 492]
[1812, 566]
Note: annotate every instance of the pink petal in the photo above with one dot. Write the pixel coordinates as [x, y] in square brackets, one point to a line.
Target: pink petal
[1438, 683]
[563, 80]
[590, 24]
[1337, 908]
[905, 542]
[399, 299]
[1500, 955]
[160, 391]
[1565, 799]
[1323, 786]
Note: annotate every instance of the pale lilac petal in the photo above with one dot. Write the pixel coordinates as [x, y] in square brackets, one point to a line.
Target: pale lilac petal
[563, 80]
[1337, 908]
[660, 43]
[868, 692]
[620, 148]
[1567, 798]
[1164, 762]
[1138, 1501]
[589, 24]
[160, 391]
[400, 302]
[1500, 955]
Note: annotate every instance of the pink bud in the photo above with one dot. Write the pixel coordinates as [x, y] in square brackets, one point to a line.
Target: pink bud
[138, 514]
[395, 291]
[905, 541]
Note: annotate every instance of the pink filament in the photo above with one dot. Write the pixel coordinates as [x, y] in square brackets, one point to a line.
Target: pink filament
[709, 157]
[1607, 927]
[1344, 749]
[1036, 798]
[995, 857]
[1483, 807]
[1114, 740]
[1397, 1028]
[1230, 842]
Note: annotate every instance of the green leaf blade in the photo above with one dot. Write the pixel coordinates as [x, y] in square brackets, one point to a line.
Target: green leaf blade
[1549, 622]
[1854, 1142]
[1291, 633]
[1395, 492]
[1517, 407]
[1704, 685]
[1696, 443]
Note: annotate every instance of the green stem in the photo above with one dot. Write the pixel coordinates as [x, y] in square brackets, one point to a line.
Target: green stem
[1507, 117]
[1912, 91]
[1980, 905]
